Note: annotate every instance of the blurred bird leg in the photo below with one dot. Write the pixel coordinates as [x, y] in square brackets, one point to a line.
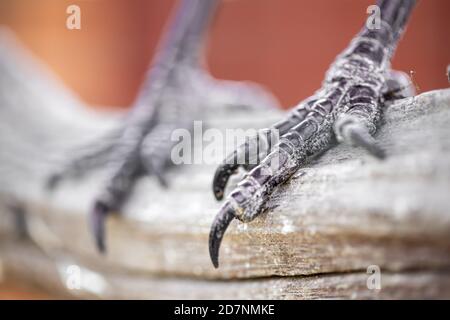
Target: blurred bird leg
[176, 90]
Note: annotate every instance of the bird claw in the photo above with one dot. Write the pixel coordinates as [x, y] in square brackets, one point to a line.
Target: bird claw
[176, 80]
[218, 228]
[97, 219]
[221, 177]
[349, 103]
[363, 139]
[354, 132]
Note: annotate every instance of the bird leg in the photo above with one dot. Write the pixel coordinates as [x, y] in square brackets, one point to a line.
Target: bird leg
[176, 89]
[347, 108]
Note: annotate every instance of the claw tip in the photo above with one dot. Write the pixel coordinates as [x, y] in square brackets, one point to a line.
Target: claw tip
[380, 154]
[97, 221]
[215, 261]
[218, 194]
[52, 182]
[218, 228]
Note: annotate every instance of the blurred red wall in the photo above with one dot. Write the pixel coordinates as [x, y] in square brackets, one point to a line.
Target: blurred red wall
[284, 44]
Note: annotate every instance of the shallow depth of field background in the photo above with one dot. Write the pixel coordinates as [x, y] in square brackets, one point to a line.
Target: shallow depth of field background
[286, 45]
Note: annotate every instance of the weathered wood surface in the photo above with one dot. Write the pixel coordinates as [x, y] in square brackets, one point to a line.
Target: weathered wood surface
[26, 263]
[340, 214]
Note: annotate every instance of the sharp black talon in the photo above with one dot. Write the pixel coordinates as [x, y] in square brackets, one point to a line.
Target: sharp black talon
[366, 141]
[53, 182]
[159, 172]
[246, 156]
[97, 224]
[221, 177]
[350, 100]
[218, 228]
[162, 179]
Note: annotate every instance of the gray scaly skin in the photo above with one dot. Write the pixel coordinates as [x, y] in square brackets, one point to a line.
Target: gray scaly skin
[176, 90]
[347, 108]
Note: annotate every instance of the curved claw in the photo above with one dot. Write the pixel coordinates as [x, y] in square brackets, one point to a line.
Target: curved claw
[161, 179]
[218, 228]
[247, 156]
[151, 168]
[53, 181]
[221, 177]
[351, 130]
[97, 224]
[365, 140]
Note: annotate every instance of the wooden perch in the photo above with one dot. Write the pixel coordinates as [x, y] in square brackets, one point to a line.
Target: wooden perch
[336, 217]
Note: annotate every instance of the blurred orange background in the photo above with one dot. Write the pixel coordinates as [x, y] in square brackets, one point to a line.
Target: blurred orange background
[286, 45]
